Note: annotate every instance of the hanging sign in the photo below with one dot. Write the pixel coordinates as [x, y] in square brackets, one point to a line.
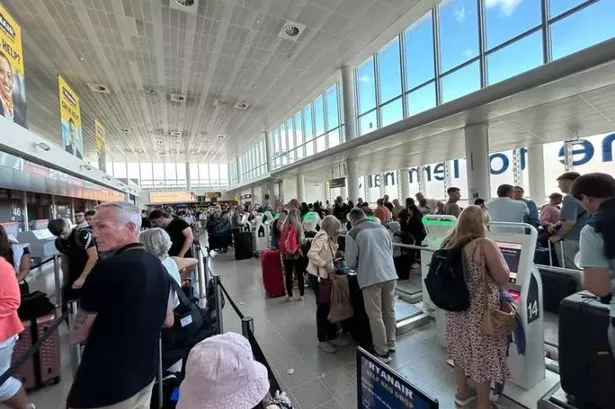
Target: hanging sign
[101, 145]
[70, 117]
[12, 78]
[335, 183]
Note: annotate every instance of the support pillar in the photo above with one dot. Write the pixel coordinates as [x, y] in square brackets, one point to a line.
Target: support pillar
[422, 179]
[352, 180]
[349, 103]
[26, 220]
[404, 182]
[269, 152]
[188, 176]
[535, 169]
[477, 158]
[301, 188]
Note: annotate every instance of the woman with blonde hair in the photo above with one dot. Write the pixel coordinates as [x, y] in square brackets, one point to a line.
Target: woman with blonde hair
[291, 237]
[321, 256]
[479, 357]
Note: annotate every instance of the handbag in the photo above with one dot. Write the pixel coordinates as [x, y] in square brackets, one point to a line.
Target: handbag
[496, 322]
[325, 287]
[341, 307]
[188, 319]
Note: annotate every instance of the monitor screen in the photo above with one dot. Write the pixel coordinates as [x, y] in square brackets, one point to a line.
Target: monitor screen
[512, 255]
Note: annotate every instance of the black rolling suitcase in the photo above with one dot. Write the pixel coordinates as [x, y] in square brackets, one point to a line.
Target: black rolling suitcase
[243, 245]
[556, 287]
[587, 367]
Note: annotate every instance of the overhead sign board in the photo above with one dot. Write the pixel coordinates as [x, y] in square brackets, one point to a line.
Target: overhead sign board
[171, 197]
[12, 77]
[335, 183]
[380, 387]
[70, 116]
[211, 195]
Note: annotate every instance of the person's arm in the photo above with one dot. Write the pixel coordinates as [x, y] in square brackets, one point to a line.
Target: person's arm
[188, 240]
[568, 217]
[351, 253]
[82, 325]
[10, 297]
[186, 265]
[169, 318]
[495, 262]
[594, 263]
[92, 253]
[24, 266]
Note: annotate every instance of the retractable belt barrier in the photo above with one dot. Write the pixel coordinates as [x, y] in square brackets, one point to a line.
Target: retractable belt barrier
[33, 349]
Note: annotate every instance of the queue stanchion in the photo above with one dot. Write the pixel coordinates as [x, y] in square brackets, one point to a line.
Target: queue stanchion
[194, 275]
[202, 275]
[58, 281]
[247, 326]
[159, 375]
[76, 349]
[216, 279]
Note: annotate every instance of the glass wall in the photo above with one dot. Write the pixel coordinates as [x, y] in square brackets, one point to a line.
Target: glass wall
[172, 175]
[461, 46]
[253, 163]
[314, 128]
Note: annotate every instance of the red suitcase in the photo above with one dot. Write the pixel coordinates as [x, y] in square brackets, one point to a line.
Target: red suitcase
[273, 277]
[26, 374]
[49, 353]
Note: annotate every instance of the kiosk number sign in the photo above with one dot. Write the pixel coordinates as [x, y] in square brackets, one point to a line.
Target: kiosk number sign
[533, 303]
[379, 387]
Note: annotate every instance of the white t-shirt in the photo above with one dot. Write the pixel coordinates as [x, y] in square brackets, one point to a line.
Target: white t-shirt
[173, 271]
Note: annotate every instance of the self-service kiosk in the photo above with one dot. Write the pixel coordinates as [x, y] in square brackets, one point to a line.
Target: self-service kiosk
[529, 380]
[260, 233]
[311, 223]
[41, 243]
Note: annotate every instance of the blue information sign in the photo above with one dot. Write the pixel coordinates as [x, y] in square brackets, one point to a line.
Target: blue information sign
[380, 387]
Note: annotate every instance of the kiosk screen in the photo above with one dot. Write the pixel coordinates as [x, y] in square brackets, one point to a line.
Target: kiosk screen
[512, 255]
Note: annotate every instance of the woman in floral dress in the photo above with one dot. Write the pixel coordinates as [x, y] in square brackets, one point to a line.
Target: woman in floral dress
[478, 357]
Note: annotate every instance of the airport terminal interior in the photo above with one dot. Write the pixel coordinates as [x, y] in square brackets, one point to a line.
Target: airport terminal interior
[230, 117]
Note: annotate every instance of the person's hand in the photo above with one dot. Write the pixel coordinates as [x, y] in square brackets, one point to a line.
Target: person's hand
[551, 228]
[330, 269]
[555, 238]
[78, 283]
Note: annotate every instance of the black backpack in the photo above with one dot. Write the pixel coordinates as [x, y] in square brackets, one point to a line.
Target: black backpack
[445, 281]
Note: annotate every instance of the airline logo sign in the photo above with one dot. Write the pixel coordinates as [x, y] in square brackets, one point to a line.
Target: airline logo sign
[70, 117]
[12, 103]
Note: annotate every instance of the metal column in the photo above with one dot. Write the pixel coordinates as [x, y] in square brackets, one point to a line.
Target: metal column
[404, 182]
[349, 102]
[535, 169]
[26, 220]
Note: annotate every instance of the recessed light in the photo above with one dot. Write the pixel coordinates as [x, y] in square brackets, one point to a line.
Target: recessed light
[242, 106]
[125, 130]
[291, 30]
[98, 88]
[175, 134]
[221, 136]
[177, 97]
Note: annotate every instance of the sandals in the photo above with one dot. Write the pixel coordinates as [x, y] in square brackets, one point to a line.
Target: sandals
[463, 402]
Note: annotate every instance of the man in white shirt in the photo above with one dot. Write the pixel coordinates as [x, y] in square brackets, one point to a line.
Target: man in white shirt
[505, 209]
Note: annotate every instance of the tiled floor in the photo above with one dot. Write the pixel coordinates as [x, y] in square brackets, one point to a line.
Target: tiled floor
[287, 335]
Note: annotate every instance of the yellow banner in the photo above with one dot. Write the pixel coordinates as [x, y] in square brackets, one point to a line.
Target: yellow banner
[70, 115]
[101, 145]
[12, 79]
[171, 197]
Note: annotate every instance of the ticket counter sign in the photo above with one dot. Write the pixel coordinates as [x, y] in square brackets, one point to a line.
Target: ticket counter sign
[336, 183]
[101, 145]
[12, 74]
[70, 116]
[380, 387]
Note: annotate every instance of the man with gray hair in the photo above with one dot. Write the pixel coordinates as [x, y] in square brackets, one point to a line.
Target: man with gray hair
[124, 306]
[369, 251]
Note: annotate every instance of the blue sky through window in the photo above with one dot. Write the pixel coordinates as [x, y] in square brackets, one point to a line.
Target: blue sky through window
[458, 32]
[418, 42]
[505, 19]
[389, 71]
[514, 59]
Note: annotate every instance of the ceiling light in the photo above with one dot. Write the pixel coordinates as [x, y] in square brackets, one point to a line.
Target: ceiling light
[221, 136]
[99, 88]
[242, 106]
[175, 134]
[125, 130]
[291, 30]
[43, 146]
[177, 97]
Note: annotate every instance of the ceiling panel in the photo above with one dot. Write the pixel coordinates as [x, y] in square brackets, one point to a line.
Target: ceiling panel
[225, 52]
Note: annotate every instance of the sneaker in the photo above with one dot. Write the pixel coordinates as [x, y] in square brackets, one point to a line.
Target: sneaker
[339, 342]
[386, 358]
[326, 347]
[31, 406]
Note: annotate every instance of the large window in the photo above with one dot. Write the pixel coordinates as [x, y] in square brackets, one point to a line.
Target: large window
[421, 99]
[119, 170]
[319, 116]
[133, 170]
[366, 86]
[458, 32]
[586, 27]
[419, 57]
[461, 82]
[505, 20]
[389, 71]
[333, 116]
[526, 54]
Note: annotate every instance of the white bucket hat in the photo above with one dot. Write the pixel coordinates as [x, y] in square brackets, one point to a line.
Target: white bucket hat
[221, 373]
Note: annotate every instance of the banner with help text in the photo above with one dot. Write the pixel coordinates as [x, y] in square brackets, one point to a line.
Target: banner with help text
[101, 145]
[12, 74]
[70, 116]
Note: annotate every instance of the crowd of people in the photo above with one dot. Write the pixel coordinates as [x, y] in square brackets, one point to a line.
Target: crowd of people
[126, 281]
